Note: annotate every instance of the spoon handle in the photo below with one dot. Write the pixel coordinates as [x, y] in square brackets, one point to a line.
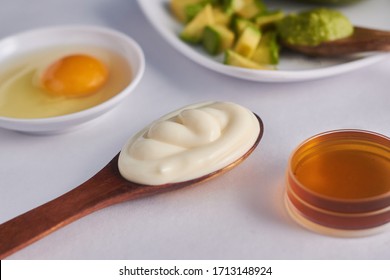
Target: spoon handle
[106, 188]
[372, 39]
[98, 192]
[362, 40]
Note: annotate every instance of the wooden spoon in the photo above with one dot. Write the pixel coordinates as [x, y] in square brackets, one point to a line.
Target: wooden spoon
[362, 40]
[105, 188]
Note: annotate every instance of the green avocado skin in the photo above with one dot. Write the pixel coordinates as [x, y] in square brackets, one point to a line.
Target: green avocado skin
[313, 27]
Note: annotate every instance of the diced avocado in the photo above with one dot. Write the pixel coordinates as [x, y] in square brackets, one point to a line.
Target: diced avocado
[239, 24]
[248, 41]
[220, 17]
[244, 29]
[232, 6]
[217, 38]
[193, 31]
[178, 8]
[267, 51]
[235, 59]
[192, 10]
[268, 18]
[251, 8]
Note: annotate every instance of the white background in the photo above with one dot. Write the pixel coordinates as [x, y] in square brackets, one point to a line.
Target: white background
[237, 216]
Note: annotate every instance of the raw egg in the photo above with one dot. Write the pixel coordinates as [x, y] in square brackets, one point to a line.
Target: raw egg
[59, 81]
[75, 75]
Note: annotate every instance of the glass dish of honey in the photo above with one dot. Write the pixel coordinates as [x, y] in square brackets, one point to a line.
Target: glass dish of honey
[338, 183]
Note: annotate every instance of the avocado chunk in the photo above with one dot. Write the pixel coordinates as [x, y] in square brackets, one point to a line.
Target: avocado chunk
[234, 59]
[267, 52]
[248, 41]
[239, 24]
[251, 8]
[178, 8]
[268, 18]
[193, 31]
[192, 10]
[217, 38]
[232, 6]
[220, 17]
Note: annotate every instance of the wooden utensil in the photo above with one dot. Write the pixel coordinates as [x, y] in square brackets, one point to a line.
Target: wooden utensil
[105, 188]
[362, 40]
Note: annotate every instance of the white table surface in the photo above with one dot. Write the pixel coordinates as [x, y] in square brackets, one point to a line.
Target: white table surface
[237, 216]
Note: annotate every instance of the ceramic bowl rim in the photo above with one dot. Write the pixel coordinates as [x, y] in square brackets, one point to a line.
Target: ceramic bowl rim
[38, 124]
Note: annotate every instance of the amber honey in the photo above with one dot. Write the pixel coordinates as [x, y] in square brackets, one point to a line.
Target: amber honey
[346, 169]
[341, 180]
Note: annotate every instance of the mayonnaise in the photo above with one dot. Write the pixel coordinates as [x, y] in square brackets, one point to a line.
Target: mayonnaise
[189, 143]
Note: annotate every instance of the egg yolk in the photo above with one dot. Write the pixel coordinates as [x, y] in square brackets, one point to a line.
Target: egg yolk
[74, 76]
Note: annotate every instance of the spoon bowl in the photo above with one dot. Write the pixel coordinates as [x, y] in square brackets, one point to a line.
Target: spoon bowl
[105, 188]
[362, 40]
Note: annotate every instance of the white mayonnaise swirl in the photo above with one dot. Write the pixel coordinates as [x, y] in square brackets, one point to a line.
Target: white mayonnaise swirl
[189, 143]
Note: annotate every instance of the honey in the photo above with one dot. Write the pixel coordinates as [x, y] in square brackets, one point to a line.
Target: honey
[346, 169]
[341, 180]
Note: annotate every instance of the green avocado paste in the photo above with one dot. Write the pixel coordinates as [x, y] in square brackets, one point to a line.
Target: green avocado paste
[313, 27]
[329, 1]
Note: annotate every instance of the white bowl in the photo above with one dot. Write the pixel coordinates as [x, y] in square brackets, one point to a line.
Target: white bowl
[69, 35]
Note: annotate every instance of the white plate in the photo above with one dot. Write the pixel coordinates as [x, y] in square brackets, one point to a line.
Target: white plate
[72, 35]
[292, 67]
